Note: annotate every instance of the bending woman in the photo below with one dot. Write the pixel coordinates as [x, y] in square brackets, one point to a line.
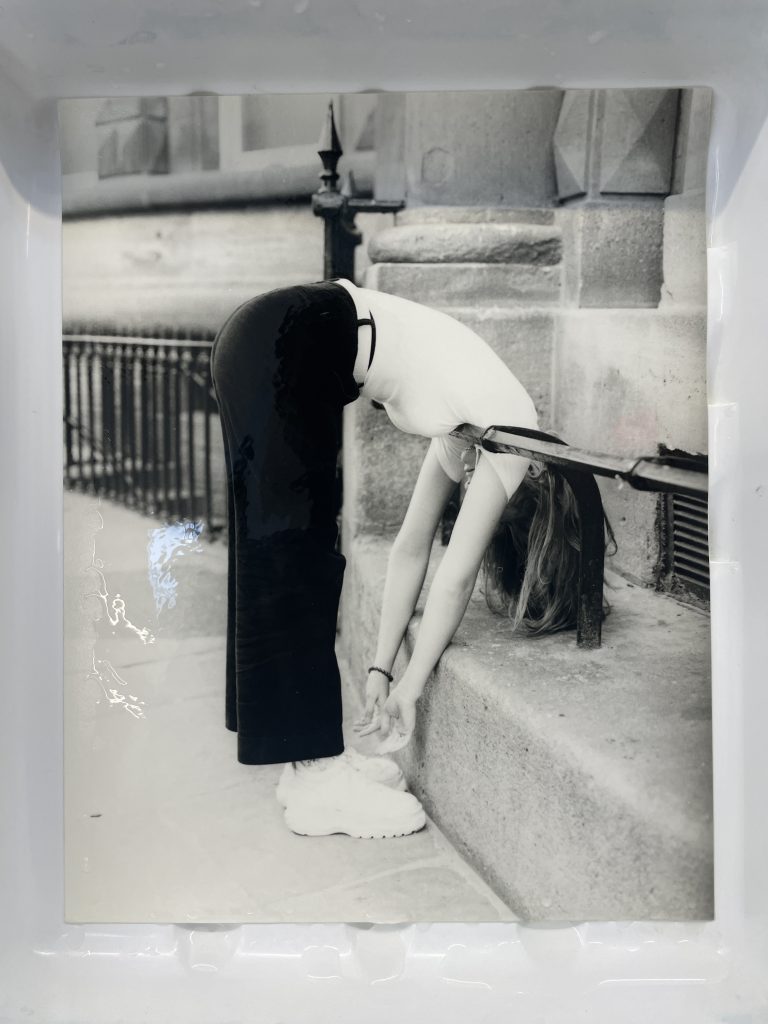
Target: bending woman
[284, 365]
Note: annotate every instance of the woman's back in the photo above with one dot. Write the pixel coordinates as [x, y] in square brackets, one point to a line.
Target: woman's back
[431, 373]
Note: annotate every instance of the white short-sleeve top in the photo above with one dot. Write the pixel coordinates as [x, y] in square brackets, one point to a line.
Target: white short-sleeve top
[432, 373]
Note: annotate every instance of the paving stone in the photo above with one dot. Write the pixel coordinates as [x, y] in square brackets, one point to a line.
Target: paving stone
[163, 823]
[578, 783]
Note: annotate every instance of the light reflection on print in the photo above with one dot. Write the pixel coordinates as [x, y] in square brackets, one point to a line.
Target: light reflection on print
[115, 609]
[103, 671]
[105, 674]
[167, 542]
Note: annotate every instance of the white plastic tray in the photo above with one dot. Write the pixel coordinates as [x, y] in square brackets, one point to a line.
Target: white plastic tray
[51, 972]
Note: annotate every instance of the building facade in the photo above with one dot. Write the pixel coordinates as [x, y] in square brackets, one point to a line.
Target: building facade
[565, 226]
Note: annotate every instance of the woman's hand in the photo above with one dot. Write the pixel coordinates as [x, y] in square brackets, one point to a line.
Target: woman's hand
[396, 720]
[376, 693]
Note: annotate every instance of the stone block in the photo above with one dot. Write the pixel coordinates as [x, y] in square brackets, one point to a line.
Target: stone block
[615, 141]
[389, 130]
[193, 133]
[684, 253]
[692, 147]
[132, 136]
[369, 225]
[571, 143]
[505, 159]
[625, 382]
[280, 119]
[637, 140]
[524, 339]
[357, 116]
[474, 215]
[381, 464]
[629, 379]
[634, 518]
[467, 243]
[126, 108]
[134, 146]
[461, 284]
[613, 253]
[577, 783]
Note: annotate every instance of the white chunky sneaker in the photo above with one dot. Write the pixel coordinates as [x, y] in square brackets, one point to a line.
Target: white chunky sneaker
[329, 796]
[378, 769]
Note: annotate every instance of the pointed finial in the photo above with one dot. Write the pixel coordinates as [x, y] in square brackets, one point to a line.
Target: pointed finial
[329, 152]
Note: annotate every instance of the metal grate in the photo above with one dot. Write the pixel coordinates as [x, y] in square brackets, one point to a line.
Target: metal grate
[688, 544]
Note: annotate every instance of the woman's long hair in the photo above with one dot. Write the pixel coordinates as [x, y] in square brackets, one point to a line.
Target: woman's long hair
[532, 561]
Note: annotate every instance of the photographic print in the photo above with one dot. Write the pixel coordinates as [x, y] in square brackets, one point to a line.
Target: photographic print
[386, 525]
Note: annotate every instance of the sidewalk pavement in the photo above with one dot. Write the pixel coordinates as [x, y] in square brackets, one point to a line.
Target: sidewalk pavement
[162, 823]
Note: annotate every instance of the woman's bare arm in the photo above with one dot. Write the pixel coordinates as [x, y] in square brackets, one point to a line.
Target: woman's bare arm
[454, 580]
[409, 557]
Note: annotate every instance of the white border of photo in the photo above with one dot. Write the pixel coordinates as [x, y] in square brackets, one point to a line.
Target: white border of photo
[53, 972]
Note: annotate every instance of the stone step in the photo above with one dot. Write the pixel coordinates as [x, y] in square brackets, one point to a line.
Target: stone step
[232, 858]
[476, 215]
[578, 783]
[468, 284]
[467, 243]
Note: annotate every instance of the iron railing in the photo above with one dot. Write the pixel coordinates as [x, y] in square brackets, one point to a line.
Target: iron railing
[139, 415]
[141, 425]
[668, 474]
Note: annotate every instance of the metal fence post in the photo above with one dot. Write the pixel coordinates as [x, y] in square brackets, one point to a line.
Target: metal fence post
[338, 206]
[330, 203]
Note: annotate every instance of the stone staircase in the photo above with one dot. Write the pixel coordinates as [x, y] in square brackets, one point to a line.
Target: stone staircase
[578, 783]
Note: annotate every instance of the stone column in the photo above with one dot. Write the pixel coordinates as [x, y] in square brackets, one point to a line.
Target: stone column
[477, 239]
[490, 149]
[614, 151]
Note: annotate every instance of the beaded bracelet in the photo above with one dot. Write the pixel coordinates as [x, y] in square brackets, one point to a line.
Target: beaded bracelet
[375, 668]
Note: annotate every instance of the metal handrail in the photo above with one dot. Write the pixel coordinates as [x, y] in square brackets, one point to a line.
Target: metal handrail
[661, 473]
[664, 473]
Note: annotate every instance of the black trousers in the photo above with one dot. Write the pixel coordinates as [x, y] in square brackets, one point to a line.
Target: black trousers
[282, 372]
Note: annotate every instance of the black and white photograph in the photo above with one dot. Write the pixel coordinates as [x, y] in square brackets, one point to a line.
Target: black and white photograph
[386, 561]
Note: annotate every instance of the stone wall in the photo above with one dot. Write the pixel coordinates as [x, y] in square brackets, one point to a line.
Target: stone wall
[500, 272]
[585, 272]
[184, 269]
[630, 340]
[187, 270]
[567, 228]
